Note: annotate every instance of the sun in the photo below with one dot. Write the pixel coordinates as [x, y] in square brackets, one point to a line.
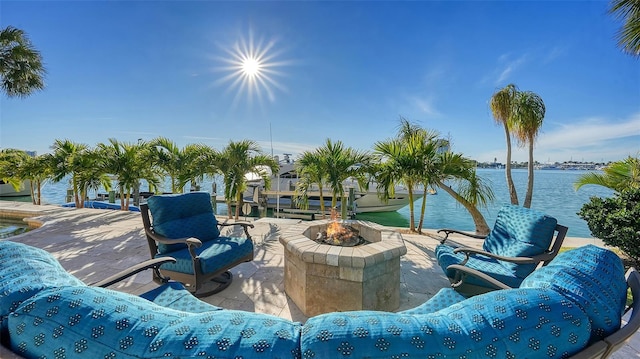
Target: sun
[251, 69]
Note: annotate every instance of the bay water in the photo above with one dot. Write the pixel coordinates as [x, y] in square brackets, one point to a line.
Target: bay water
[553, 194]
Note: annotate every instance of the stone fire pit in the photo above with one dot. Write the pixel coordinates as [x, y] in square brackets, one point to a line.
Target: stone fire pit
[322, 278]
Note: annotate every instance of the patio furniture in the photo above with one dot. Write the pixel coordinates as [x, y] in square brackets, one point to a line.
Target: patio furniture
[184, 227]
[570, 308]
[521, 240]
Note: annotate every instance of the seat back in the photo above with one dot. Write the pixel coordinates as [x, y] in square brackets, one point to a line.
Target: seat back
[521, 232]
[180, 216]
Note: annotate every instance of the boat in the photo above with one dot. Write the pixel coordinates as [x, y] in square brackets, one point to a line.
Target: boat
[7, 190]
[282, 193]
[101, 205]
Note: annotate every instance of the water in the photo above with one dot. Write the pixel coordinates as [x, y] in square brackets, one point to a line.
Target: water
[553, 194]
[9, 228]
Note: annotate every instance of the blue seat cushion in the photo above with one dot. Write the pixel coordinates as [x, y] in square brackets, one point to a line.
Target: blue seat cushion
[175, 296]
[520, 232]
[514, 323]
[182, 216]
[591, 277]
[89, 322]
[445, 297]
[215, 254]
[26, 270]
[490, 266]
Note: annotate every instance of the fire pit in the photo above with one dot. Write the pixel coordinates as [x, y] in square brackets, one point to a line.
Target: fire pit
[322, 278]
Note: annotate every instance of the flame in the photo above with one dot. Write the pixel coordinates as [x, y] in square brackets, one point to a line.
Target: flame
[336, 232]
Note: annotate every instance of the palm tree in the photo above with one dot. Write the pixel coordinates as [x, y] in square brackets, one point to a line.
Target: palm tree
[501, 104]
[629, 35]
[340, 163]
[618, 176]
[471, 191]
[21, 69]
[234, 162]
[310, 168]
[11, 161]
[129, 163]
[37, 169]
[528, 113]
[70, 158]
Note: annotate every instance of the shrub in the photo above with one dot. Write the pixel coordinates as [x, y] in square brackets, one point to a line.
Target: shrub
[616, 221]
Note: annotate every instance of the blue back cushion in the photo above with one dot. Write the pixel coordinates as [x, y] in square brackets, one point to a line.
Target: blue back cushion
[520, 231]
[515, 323]
[592, 278]
[182, 216]
[25, 271]
[89, 322]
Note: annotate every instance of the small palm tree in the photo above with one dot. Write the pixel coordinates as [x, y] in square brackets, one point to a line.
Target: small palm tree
[11, 161]
[234, 162]
[501, 105]
[21, 69]
[37, 169]
[310, 168]
[618, 176]
[528, 114]
[629, 35]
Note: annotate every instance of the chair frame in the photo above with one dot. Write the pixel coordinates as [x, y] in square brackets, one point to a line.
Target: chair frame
[607, 346]
[193, 282]
[458, 282]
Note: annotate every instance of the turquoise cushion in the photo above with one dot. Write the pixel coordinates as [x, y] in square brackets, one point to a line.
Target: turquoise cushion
[173, 295]
[592, 278]
[515, 323]
[214, 255]
[25, 271]
[89, 322]
[520, 232]
[182, 216]
[445, 297]
[490, 266]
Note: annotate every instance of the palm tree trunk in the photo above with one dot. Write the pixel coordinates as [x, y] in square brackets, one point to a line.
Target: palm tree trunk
[423, 208]
[322, 202]
[121, 188]
[32, 191]
[39, 192]
[412, 224]
[529, 195]
[512, 188]
[238, 204]
[478, 219]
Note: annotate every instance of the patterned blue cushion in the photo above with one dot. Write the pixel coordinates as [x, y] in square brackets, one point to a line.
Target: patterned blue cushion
[445, 297]
[520, 231]
[487, 265]
[182, 216]
[592, 278]
[214, 254]
[174, 295]
[516, 323]
[89, 322]
[24, 271]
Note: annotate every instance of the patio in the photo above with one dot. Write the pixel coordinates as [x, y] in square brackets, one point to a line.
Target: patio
[93, 244]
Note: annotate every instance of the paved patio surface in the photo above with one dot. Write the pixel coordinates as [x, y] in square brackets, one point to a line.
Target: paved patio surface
[94, 244]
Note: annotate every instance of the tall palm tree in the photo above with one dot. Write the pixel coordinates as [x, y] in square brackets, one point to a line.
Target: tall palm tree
[618, 176]
[629, 35]
[21, 69]
[234, 162]
[501, 105]
[528, 114]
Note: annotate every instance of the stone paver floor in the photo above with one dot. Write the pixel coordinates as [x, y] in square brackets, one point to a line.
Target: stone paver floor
[94, 244]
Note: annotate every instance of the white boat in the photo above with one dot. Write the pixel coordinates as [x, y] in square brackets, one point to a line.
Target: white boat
[7, 190]
[282, 193]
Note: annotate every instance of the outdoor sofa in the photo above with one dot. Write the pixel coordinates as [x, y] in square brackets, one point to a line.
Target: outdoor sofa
[557, 311]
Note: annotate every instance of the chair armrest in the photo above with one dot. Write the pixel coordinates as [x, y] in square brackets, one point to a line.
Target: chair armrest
[245, 226]
[189, 241]
[476, 273]
[448, 231]
[150, 264]
[518, 260]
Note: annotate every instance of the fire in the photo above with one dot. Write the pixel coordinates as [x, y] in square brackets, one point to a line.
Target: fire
[339, 234]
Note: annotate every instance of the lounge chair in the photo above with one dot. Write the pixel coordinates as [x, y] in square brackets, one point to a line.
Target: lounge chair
[520, 241]
[184, 227]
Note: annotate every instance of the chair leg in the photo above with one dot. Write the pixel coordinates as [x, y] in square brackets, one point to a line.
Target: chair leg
[215, 285]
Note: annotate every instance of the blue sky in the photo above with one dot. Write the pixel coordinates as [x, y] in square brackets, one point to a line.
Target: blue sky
[340, 70]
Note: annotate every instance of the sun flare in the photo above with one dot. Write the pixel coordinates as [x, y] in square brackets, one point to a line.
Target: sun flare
[251, 69]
